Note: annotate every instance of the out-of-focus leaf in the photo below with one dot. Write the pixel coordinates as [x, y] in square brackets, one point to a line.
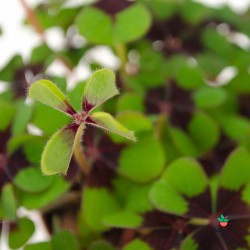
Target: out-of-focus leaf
[98, 203]
[130, 102]
[133, 196]
[211, 64]
[236, 127]
[189, 244]
[9, 202]
[138, 168]
[107, 122]
[97, 26]
[39, 246]
[239, 83]
[17, 141]
[59, 149]
[60, 82]
[64, 240]
[189, 77]
[7, 72]
[63, 17]
[20, 235]
[246, 194]
[236, 170]
[223, 47]
[48, 93]
[123, 219]
[55, 190]
[160, 11]
[75, 96]
[101, 245]
[7, 112]
[183, 142]
[48, 119]
[137, 15]
[21, 119]
[209, 97]
[166, 199]
[204, 131]
[153, 69]
[199, 12]
[33, 149]
[41, 54]
[99, 88]
[31, 180]
[186, 176]
[137, 244]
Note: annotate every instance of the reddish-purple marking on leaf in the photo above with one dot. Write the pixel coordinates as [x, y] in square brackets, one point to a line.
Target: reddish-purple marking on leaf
[200, 205]
[213, 161]
[104, 154]
[80, 118]
[112, 7]
[70, 109]
[166, 231]
[173, 101]
[72, 126]
[232, 236]
[86, 106]
[89, 120]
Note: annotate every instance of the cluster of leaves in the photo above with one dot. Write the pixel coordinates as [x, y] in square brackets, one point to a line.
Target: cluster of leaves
[191, 161]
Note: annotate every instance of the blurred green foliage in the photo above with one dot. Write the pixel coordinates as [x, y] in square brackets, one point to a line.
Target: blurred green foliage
[192, 159]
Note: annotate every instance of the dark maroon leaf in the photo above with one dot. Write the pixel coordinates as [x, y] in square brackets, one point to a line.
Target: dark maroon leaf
[112, 7]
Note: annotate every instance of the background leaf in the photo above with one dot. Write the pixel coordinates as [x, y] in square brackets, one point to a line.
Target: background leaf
[98, 27]
[146, 168]
[9, 202]
[98, 203]
[236, 170]
[186, 176]
[166, 199]
[123, 219]
[137, 244]
[54, 192]
[95, 25]
[7, 112]
[137, 15]
[39, 246]
[209, 97]
[31, 180]
[22, 117]
[19, 236]
[64, 240]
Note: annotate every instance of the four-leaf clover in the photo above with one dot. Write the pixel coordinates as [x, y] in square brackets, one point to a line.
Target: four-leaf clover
[59, 149]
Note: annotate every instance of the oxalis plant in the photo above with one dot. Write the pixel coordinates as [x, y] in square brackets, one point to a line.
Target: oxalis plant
[59, 149]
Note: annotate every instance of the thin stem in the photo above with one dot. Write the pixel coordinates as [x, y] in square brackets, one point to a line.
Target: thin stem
[199, 221]
[160, 125]
[78, 152]
[67, 198]
[122, 54]
[33, 19]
